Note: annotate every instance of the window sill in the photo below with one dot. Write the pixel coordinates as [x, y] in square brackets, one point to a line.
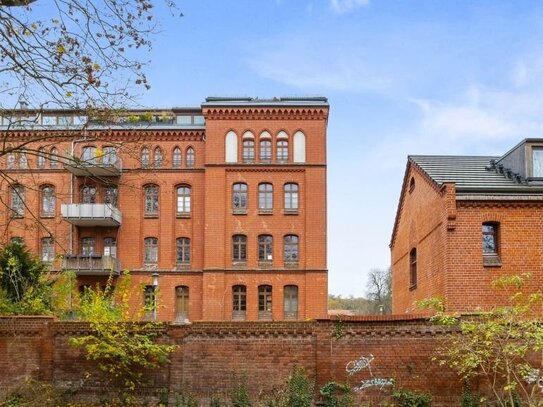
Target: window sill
[290, 212]
[239, 212]
[265, 211]
[265, 264]
[291, 264]
[412, 287]
[182, 266]
[150, 216]
[491, 260]
[48, 216]
[150, 266]
[184, 215]
[239, 264]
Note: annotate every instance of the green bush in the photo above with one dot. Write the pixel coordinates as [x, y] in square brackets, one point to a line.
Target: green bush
[299, 389]
[240, 395]
[411, 398]
[337, 395]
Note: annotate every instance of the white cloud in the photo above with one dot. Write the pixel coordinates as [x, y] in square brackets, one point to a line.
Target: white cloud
[346, 6]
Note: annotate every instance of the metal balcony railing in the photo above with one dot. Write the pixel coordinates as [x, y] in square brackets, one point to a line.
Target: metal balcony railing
[91, 265]
[95, 167]
[91, 214]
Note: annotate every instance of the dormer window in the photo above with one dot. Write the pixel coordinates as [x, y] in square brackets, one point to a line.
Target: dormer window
[537, 162]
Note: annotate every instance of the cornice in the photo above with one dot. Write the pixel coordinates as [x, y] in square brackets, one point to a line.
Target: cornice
[265, 113]
[499, 204]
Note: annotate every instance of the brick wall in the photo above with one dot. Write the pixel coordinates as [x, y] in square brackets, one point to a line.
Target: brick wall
[212, 356]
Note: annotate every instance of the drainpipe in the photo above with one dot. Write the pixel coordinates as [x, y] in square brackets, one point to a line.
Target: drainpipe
[72, 180]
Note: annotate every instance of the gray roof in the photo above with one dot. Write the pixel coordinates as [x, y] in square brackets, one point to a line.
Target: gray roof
[473, 175]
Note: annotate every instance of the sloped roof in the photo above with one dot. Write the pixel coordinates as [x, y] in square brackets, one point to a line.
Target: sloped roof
[472, 174]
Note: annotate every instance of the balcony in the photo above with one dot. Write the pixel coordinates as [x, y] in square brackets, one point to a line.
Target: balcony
[95, 167]
[93, 265]
[92, 215]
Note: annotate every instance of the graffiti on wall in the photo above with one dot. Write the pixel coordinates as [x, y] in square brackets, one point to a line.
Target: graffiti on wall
[364, 363]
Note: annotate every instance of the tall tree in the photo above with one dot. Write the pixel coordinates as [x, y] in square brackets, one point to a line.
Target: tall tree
[379, 290]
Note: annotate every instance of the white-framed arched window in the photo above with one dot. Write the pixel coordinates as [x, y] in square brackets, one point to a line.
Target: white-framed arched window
[231, 147]
[299, 147]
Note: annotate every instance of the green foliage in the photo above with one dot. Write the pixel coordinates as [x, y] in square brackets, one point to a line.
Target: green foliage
[358, 305]
[122, 349]
[186, 400]
[216, 401]
[240, 395]
[337, 332]
[32, 393]
[337, 395]
[410, 398]
[299, 389]
[470, 399]
[494, 346]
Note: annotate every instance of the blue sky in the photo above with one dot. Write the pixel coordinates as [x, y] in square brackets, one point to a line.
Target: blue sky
[402, 77]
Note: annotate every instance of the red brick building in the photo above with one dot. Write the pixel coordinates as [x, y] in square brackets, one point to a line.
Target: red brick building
[220, 208]
[462, 222]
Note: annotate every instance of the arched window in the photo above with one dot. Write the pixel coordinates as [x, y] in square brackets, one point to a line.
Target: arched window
[182, 250]
[290, 249]
[299, 147]
[53, 158]
[150, 255]
[248, 147]
[239, 197]
[176, 158]
[159, 159]
[47, 200]
[265, 302]
[239, 249]
[191, 157]
[17, 201]
[265, 152]
[413, 268]
[40, 161]
[110, 247]
[145, 157]
[291, 198]
[10, 161]
[231, 147]
[111, 196]
[23, 159]
[239, 302]
[282, 147]
[290, 302]
[47, 249]
[181, 303]
[183, 200]
[109, 155]
[265, 197]
[265, 248]
[151, 200]
[87, 246]
[88, 194]
[88, 154]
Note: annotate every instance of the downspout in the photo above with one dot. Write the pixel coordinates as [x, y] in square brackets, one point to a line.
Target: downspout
[72, 181]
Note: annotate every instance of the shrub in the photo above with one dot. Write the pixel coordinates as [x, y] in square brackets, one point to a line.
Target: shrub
[337, 395]
[411, 398]
[299, 389]
[240, 395]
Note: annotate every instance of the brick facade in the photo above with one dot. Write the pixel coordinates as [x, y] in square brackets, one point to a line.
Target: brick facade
[210, 223]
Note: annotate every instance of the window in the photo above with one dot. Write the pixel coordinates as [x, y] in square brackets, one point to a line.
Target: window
[17, 200]
[53, 159]
[110, 247]
[149, 302]
[48, 200]
[88, 194]
[239, 298]
[40, 161]
[88, 155]
[151, 250]
[151, 200]
[144, 157]
[413, 268]
[17, 240]
[47, 249]
[183, 250]
[282, 147]
[176, 158]
[265, 302]
[248, 150]
[239, 248]
[111, 196]
[299, 147]
[23, 160]
[412, 184]
[491, 247]
[109, 155]
[290, 249]
[265, 198]
[158, 158]
[191, 157]
[183, 201]
[231, 147]
[291, 198]
[265, 151]
[87, 246]
[290, 302]
[11, 161]
[265, 248]
[181, 303]
[537, 162]
[239, 197]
